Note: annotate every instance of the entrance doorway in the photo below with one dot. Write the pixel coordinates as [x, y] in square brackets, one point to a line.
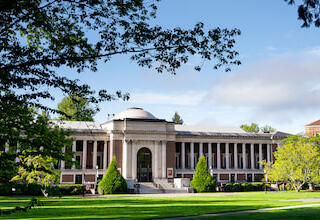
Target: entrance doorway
[144, 165]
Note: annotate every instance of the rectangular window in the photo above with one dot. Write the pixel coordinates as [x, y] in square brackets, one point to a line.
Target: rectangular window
[79, 145]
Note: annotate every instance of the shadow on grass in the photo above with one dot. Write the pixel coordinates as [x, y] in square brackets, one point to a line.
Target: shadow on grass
[136, 208]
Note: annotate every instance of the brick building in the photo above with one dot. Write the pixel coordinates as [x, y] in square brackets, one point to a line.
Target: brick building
[151, 149]
[313, 128]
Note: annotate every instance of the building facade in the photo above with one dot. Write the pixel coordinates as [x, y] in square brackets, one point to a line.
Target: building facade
[312, 129]
[151, 149]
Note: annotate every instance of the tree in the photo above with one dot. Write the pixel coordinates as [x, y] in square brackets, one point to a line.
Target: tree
[35, 140]
[37, 169]
[202, 181]
[308, 12]
[255, 128]
[297, 162]
[38, 38]
[75, 108]
[112, 182]
[250, 128]
[8, 168]
[268, 129]
[177, 119]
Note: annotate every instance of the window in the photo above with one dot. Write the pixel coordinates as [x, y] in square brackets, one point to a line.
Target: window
[79, 145]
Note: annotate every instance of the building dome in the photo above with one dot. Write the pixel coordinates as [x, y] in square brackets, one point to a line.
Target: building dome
[135, 113]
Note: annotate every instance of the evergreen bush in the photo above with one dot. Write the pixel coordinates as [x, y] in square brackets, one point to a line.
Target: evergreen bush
[112, 181]
[202, 181]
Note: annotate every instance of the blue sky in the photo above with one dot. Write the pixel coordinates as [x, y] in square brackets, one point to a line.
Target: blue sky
[277, 84]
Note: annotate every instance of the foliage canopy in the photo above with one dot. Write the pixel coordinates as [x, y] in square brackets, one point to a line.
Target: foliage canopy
[75, 108]
[297, 162]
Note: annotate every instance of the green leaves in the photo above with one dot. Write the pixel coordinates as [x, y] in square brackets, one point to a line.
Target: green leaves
[202, 181]
[177, 119]
[112, 182]
[297, 162]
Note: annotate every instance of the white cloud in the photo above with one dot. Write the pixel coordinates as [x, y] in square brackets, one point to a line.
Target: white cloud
[189, 98]
[283, 91]
[288, 81]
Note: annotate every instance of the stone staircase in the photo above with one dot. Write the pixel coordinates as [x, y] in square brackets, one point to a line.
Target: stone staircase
[157, 188]
[148, 188]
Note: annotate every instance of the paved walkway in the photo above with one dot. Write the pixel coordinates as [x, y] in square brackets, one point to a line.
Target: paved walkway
[177, 194]
[246, 211]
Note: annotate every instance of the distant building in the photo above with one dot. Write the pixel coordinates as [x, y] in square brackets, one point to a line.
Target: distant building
[149, 149]
[313, 128]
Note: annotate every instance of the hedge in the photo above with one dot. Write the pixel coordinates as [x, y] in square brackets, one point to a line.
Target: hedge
[245, 187]
[35, 189]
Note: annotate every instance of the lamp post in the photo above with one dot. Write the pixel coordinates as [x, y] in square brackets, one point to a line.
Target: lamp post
[211, 171]
[97, 175]
[266, 180]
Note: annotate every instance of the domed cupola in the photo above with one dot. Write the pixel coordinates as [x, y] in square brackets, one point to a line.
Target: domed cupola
[134, 113]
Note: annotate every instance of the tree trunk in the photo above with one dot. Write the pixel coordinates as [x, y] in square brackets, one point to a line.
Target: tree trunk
[310, 186]
[44, 193]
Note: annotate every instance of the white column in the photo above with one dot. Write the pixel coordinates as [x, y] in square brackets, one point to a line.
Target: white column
[260, 156]
[84, 155]
[268, 153]
[252, 155]
[105, 156]
[183, 156]
[62, 161]
[200, 149]
[134, 161]
[235, 151]
[218, 156]
[94, 159]
[210, 155]
[156, 174]
[164, 159]
[192, 155]
[227, 156]
[124, 158]
[244, 156]
[74, 150]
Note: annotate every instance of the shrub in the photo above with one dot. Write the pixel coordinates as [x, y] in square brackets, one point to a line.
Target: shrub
[71, 189]
[237, 187]
[202, 181]
[112, 181]
[228, 187]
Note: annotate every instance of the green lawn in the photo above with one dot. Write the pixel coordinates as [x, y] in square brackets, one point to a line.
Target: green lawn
[150, 207]
[311, 213]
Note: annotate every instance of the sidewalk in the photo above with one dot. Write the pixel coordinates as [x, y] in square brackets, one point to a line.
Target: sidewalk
[246, 211]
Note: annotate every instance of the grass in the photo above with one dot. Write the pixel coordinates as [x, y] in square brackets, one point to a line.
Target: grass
[74, 207]
[301, 214]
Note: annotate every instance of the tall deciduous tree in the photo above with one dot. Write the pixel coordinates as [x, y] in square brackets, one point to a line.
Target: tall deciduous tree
[177, 119]
[297, 162]
[75, 108]
[38, 38]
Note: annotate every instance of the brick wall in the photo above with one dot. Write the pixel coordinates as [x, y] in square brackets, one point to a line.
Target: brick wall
[241, 176]
[89, 178]
[224, 176]
[67, 178]
[171, 150]
[312, 131]
[116, 150]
